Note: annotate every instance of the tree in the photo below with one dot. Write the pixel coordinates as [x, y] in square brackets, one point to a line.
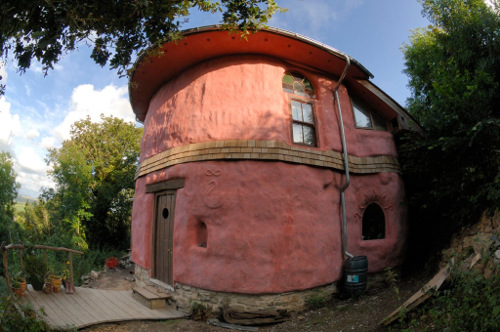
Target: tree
[94, 171]
[46, 29]
[453, 171]
[8, 193]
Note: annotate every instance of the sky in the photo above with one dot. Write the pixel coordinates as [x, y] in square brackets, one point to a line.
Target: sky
[36, 112]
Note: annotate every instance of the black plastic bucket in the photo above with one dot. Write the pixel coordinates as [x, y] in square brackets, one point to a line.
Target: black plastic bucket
[355, 274]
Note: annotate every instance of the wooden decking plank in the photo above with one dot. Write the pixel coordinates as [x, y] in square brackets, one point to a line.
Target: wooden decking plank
[54, 314]
[66, 303]
[78, 306]
[58, 312]
[93, 309]
[91, 306]
[108, 311]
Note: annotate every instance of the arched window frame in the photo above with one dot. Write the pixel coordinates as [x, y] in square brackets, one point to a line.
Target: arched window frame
[302, 96]
[367, 234]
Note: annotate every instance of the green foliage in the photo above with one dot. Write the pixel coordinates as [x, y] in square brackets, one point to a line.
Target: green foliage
[452, 173]
[4, 288]
[21, 317]
[94, 173]
[8, 192]
[200, 312]
[117, 30]
[34, 266]
[471, 303]
[317, 300]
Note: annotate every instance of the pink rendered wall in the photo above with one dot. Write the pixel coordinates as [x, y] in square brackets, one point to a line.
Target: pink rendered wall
[272, 226]
[242, 98]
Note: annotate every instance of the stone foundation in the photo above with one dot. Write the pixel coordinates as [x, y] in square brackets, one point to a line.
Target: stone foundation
[237, 307]
[250, 309]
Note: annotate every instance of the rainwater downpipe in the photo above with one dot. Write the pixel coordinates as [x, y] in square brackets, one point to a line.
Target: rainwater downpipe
[346, 160]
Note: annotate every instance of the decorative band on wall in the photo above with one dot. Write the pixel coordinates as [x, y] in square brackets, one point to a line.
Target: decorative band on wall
[265, 150]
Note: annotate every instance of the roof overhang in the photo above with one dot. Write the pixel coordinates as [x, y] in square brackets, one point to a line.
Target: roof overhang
[152, 70]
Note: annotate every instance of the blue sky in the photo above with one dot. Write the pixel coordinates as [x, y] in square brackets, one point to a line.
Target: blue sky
[36, 111]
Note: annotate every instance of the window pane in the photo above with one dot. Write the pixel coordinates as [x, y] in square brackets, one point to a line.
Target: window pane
[299, 89]
[288, 88]
[308, 85]
[362, 117]
[297, 111]
[309, 136]
[307, 113]
[298, 135]
[297, 84]
[288, 79]
[378, 122]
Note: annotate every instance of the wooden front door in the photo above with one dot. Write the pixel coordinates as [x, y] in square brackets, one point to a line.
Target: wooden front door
[164, 234]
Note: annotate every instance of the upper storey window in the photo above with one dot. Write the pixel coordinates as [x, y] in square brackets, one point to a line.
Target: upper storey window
[366, 118]
[297, 84]
[303, 126]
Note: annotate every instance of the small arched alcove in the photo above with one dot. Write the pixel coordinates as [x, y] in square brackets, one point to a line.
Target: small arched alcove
[373, 222]
[201, 234]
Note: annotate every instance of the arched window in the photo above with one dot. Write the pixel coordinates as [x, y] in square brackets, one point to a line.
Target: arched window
[373, 222]
[297, 84]
[303, 126]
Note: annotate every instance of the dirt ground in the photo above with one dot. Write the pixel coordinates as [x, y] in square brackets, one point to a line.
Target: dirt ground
[340, 314]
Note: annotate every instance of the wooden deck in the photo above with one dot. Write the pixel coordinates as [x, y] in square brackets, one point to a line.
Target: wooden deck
[92, 306]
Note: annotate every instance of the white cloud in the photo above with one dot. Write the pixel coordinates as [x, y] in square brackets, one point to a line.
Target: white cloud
[10, 125]
[32, 133]
[29, 160]
[48, 142]
[86, 101]
[32, 182]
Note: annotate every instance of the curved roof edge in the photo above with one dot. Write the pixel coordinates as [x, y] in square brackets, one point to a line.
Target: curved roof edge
[150, 72]
[291, 34]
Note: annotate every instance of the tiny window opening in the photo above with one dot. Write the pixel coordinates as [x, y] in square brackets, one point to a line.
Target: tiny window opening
[373, 222]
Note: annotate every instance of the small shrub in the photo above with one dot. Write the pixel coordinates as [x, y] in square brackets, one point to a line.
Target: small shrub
[20, 317]
[391, 279]
[4, 289]
[471, 303]
[200, 312]
[316, 301]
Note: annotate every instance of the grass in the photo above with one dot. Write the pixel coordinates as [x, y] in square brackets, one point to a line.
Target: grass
[18, 208]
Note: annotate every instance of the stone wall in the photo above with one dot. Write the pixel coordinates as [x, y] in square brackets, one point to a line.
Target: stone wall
[267, 307]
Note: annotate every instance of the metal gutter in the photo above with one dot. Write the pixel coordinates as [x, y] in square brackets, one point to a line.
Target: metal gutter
[346, 160]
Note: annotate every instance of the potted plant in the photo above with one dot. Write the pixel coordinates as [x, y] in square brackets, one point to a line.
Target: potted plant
[55, 278]
[47, 288]
[36, 268]
[56, 281]
[18, 283]
[68, 283]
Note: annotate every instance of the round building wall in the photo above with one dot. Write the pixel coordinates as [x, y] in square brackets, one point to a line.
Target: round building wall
[252, 218]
